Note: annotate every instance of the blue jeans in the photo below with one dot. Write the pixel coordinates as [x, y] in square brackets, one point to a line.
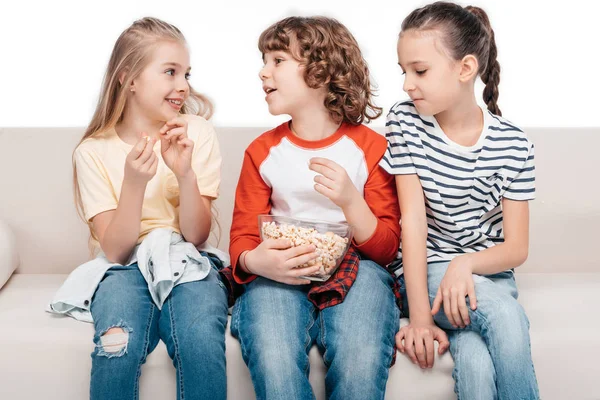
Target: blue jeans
[492, 355]
[191, 323]
[277, 325]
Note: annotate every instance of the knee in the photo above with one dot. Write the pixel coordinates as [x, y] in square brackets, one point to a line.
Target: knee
[114, 342]
[360, 364]
[506, 314]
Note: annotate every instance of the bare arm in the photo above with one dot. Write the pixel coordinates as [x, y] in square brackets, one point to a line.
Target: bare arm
[194, 211]
[118, 230]
[514, 251]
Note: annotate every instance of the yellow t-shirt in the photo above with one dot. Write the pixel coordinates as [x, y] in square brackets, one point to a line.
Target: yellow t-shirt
[100, 162]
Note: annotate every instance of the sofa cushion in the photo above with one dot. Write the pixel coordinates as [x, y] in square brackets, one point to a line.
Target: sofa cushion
[9, 258]
[54, 352]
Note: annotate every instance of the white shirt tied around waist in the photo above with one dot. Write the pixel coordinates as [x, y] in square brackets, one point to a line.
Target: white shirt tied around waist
[164, 258]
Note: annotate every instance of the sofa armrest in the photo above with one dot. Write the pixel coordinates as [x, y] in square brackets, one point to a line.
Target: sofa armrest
[9, 257]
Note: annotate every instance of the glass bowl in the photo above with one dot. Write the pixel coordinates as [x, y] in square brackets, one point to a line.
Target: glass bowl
[332, 240]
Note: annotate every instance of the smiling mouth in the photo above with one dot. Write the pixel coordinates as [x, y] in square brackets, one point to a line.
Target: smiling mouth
[269, 90]
[176, 102]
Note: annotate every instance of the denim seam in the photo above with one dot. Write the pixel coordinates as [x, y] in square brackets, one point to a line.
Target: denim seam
[455, 369]
[136, 393]
[177, 354]
[238, 311]
[308, 341]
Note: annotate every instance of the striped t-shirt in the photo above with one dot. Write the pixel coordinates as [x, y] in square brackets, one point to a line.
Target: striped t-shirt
[463, 186]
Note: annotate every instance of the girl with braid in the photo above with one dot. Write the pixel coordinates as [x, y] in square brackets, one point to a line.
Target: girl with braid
[464, 177]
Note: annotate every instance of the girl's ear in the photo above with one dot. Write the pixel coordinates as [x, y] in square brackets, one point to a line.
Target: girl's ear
[122, 76]
[469, 66]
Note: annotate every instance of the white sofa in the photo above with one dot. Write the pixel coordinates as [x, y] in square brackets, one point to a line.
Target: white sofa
[44, 356]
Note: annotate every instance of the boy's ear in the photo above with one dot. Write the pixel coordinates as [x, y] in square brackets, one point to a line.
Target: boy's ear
[469, 66]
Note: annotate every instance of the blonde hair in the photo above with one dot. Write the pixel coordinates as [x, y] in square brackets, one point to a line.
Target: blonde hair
[131, 54]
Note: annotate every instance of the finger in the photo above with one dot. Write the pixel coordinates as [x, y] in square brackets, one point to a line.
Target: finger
[472, 296]
[147, 153]
[400, 340]
[173, 123]
[429, 350]
[420, 351]
[148, 164]
[186, 142]
[304, 271]
[139, 147]
[454, 295]
[437, 303]
[278, 244]
[442, 339]
[174, 134]
[301, 259]
[410, 347]
[296, 281]
[325, 191]
[154, 166]
[326, 162]
[447, 310]
[463, 310]
[323, 170]
[299, 250]
[323, 181]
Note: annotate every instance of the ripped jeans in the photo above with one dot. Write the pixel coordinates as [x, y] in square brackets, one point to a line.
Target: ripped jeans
[191, 323]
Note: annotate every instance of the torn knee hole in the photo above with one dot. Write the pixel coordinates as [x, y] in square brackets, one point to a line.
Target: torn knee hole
[114, 340]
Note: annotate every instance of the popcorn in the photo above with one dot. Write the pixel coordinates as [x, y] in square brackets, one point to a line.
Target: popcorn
[329, 246]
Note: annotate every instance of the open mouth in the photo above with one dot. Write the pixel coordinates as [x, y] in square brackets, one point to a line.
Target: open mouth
[269, 90]
[175, 102]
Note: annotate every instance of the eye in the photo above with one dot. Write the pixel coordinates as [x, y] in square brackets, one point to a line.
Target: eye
[170, 71]
[278, 60]
[188, 76]
[420, 73]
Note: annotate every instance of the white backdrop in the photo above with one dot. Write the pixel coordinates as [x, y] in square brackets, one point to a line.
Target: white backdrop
[53, 54]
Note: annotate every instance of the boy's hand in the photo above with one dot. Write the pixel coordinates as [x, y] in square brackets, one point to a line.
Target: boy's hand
[333, 182]
[275, 259]
[455, 286]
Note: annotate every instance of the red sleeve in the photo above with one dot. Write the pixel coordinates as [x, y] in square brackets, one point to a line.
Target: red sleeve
[382, 198]
[252, 197]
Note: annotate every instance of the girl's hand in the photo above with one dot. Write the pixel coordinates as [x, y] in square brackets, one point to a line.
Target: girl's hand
[455, 286]
[141, 162]
[333, 182]
[416, 341]
[275, 259]
[176, 147]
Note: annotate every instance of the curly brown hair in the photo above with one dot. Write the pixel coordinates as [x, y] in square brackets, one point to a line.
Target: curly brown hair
[331, 57]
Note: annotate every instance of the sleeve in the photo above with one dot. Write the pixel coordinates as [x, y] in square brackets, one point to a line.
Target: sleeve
[397, 159]
[522, 188]
[97, 194]
[252, 197]
[382, 198]
[206, 161]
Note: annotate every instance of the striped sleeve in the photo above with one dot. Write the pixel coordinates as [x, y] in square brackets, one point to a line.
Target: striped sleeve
[522, 188]
[397, 159]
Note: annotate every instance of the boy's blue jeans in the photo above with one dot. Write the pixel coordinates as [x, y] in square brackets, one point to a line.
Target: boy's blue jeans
[191, 323]
[277, 325]
[492, 355]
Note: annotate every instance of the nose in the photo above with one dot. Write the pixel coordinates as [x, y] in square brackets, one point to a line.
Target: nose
[408, 85]
[264, 72]
[183, 86]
